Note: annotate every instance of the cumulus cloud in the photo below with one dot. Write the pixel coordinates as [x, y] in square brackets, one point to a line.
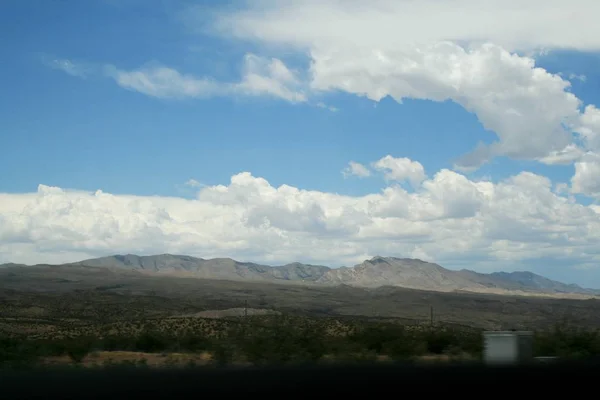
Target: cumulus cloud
[589, 127]
[270, 77]
[586, 179]
[356, 169]
[568, 155]
[447, 218]
[401, 169]
[460, 52]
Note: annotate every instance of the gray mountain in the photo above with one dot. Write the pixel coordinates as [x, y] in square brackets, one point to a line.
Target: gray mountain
[524, 281]
[404, 272]
[216, 268]
[537, 282]
[417, 274]
[11, 265]
[376, 272]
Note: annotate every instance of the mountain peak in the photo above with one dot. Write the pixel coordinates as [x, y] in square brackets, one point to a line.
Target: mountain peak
[379, 259]
[414, 262]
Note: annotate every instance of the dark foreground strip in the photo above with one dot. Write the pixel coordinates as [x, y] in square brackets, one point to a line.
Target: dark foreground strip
[392, 381]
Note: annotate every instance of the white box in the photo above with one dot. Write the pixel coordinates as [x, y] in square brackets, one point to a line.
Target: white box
[508, 347]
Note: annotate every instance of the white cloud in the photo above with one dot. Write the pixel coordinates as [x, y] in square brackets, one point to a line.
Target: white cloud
[399, 24]
[587, 176]
[586, 179]
[164, 82]
[261, 77]
[193, 183]
[270, 77]
[527, 107]
[565, 156]
[571, 76]
[74, 69]
[590, 127]
[449, 218]
[580, 77]
[458, 50]
[356, 169]
[320, 104]
[401, 169]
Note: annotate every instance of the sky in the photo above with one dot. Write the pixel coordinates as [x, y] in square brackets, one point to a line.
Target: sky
[461, 132]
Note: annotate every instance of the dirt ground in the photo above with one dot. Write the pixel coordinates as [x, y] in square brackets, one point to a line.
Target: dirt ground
[104, 358]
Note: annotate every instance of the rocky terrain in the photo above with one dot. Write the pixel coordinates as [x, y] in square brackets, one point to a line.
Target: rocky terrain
[373, 273]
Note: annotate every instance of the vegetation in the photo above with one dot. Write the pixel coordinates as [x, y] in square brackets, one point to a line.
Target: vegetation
[282, 340]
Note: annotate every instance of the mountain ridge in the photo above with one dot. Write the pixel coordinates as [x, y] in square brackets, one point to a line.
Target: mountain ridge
[372, 273]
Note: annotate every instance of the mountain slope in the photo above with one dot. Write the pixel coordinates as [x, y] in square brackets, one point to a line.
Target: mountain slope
[376, 272]
[409, 273]
[537, 282]
[216, 268]
[417, 274]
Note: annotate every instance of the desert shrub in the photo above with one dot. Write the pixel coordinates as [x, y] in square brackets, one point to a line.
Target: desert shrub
[78, 348]
[567, 342]
[152, 342]
[17, 353]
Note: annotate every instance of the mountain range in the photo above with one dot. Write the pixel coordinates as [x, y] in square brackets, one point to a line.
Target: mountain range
[375, 272]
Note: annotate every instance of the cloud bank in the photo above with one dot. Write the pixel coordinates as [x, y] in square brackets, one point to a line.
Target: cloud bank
[447, 218]
[400, 24]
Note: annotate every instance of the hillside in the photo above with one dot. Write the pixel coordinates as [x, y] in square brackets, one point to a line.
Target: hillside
[373, 273]
[31, 297]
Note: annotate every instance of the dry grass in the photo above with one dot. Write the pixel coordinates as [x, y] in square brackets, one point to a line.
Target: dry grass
[436, 358]
[105, 358]
[157, 360]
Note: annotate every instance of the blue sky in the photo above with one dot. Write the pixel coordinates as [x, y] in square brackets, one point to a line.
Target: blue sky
[83, 108]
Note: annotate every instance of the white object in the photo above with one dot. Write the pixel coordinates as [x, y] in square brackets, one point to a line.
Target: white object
[508, 347]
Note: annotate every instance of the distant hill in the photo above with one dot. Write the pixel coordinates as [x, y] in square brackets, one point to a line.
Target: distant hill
[215, 268]
[376, 272]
